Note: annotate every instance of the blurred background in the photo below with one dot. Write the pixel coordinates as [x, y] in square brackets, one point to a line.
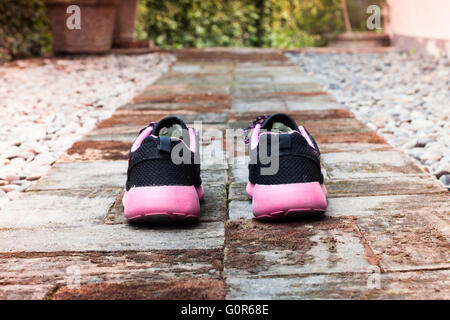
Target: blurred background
[25, 25]
[38, 27]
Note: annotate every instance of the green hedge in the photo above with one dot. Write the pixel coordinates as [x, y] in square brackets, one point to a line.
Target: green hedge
[238, 23]
[300, 23]
[24, 29]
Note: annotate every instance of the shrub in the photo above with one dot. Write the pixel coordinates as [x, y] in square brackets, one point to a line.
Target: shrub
[24, 29]
[201, 23]
[238, 23]
[300, 23]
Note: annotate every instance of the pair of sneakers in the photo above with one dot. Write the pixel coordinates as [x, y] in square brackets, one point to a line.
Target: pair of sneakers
[164, 184]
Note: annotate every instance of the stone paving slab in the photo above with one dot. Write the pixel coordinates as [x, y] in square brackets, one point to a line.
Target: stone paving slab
[183, 289]
[345, 137]
[116, 237]
[320, 102]
[407, 240]
[374, 205]
[24, 292]
[139, 119]
[262, 105]
[384, 186]
[84, 175]
[353, 165]
[50, 272]
[324, 127]
[304, 87]
[97, 150]
[58, 208]
[221, 105]
[244, 56]
[386, 217]
[250, 90]
[196, 90]
[126, 137]
[189, 68]
[182, 94]
[210, 79]
[334, 126]
[322, 245]
[436, 205]
[354, 147]
[408, 285]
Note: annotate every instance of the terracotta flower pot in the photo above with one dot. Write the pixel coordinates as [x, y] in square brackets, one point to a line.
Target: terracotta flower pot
[96, 27]
[125, 26]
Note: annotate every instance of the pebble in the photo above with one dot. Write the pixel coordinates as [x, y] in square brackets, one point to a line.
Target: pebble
[41, 117]
[422, 142]
[44, 158]
[416, 153]
[380, 122]
[441, 169]
[33, 177]
[10, 187]
[393, 94]
[11, 177]
[445, 179]
[11, 152]
[431, 155]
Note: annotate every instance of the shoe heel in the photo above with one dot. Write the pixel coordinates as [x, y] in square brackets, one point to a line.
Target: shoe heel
[277, 201]
[162, 203]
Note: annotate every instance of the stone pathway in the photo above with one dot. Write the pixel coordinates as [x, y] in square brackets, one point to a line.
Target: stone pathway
[385, 235]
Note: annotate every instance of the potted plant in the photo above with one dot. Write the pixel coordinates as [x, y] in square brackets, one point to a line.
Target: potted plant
[80, 26]
[125, 26]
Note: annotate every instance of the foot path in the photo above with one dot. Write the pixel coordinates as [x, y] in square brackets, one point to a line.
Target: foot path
[385, 235]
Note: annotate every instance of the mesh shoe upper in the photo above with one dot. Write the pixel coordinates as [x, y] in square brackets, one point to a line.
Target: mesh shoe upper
[299, 155]
[151, 164]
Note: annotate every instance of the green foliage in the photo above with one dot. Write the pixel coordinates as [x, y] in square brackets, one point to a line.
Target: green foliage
[238, 23]
[201, 23]
[24, 29]
[141, 23]
[300, 23]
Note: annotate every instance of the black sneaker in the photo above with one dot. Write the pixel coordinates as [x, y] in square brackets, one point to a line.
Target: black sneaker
[296, 184]
[163, 179]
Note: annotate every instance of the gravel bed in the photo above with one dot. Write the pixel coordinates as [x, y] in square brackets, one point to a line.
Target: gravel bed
[47, 104]
[405, 98]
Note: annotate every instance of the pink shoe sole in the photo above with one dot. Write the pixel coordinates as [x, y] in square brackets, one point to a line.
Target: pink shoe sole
[162, 203]
[287, 200]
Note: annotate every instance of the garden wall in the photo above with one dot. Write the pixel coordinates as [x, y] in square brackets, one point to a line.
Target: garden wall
[419, 24]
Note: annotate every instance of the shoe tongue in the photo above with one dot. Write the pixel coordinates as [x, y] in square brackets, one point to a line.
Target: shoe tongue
[279, 122]
[170, 126]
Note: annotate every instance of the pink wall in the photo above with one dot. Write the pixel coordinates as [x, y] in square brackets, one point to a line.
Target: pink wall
[420, 24]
